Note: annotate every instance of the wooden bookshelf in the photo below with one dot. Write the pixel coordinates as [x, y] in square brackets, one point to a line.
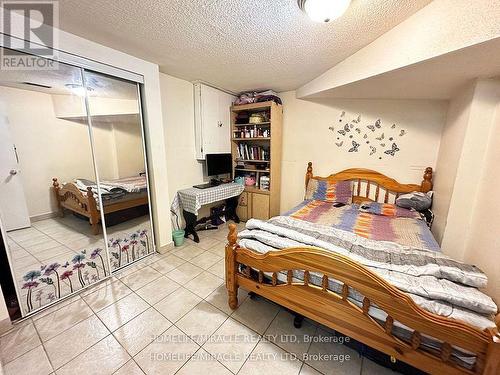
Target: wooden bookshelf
[255, 202]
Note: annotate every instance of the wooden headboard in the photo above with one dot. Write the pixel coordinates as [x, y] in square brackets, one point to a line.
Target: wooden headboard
[373, 186]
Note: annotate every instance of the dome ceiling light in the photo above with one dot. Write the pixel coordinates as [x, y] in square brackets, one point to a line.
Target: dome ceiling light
[324, 10]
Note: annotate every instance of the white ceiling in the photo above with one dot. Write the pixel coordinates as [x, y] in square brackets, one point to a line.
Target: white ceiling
[234, 44]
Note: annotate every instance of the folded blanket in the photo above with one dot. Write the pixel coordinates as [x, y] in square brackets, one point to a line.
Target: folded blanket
[440, 284]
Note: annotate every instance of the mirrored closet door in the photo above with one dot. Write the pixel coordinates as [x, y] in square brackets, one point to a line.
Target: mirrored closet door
[73, 185]
[115, 116]
[53, 251]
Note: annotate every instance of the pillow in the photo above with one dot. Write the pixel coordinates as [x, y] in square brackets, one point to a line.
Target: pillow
[416, 200]
[387, 209]
[329, 191]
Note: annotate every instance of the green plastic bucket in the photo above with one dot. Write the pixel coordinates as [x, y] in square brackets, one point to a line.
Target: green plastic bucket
[178, 236]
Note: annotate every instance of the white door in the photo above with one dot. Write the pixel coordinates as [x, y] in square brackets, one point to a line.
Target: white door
[210, 113]
[12, 200]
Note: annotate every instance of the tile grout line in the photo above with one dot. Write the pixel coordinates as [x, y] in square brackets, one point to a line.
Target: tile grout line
[43, 346]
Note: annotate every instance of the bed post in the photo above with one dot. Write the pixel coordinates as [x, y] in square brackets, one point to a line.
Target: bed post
[94, 213]
[231, 268]
[309, 172]
[492, 365]
[427, 181]
[57, 187]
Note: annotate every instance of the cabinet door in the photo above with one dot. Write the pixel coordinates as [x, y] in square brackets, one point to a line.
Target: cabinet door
[223, 144]
[260, 206]
[210, 119]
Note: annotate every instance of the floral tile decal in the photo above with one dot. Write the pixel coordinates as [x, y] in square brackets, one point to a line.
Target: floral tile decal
[52, 281]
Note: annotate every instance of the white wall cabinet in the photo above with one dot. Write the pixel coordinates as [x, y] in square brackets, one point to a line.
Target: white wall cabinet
[212, 120]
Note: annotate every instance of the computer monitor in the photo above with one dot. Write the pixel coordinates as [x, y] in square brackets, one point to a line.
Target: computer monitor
[218, 164]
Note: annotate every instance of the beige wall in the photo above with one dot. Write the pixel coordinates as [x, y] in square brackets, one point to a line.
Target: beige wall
[450, 151]
[306, 137]
[467, 219]
[483, 243]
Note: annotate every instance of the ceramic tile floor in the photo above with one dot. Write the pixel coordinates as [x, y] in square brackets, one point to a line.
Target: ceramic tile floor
[169, 315]
[59, 240]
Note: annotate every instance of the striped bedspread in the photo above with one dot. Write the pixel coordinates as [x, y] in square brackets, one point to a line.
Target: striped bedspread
[402, 230]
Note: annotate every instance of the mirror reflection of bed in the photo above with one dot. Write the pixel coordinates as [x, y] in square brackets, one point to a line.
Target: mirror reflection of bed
[56, 244]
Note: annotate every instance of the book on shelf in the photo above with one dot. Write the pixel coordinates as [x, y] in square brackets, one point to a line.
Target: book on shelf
[250, 152]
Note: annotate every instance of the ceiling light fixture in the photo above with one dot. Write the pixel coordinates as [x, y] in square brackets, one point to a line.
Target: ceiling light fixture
[324, 10]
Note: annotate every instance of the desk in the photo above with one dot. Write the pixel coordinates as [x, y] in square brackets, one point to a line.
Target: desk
[192, 199]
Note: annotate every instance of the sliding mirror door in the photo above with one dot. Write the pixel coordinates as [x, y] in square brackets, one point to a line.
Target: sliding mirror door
[48, 192]
[116, 122]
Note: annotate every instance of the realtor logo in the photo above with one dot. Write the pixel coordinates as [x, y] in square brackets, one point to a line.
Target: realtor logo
[29, 33]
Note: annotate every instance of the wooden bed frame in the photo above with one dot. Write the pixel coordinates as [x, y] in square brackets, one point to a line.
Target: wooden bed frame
[337, 312]
[70, 197]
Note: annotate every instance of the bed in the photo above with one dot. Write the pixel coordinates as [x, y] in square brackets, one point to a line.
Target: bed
[299, 260]
[117, 195]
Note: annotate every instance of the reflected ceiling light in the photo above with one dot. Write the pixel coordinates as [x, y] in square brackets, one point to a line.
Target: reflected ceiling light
[77, 89]
[324, 10]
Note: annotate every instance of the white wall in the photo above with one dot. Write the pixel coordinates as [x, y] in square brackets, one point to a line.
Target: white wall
[440, 27]
[306, 137]
[466, 209]
[50, 147]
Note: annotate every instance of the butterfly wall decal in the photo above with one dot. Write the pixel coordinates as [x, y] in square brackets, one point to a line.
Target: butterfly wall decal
[341, 132]
[358, 130]
[358, 120]
[377, 124]
[342, 114]
[339, 144]
[380, 138]
[355, 147]
[371, 127]
[393, 151]
[331, 128]
[346, 128]
[402, 132]
[382, 144]
[393, 126]
[365, 136]
[373, 150]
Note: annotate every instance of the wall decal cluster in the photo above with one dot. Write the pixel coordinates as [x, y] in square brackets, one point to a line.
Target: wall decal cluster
[374, 138]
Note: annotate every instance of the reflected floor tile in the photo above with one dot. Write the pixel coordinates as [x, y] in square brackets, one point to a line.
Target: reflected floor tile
[140, 278]
[167, 264]
[121, 312]
[158, 289]
[188, 252]
[201, 322]
[281, 330]
[256, 313]
[220, 300]
[232, 343]
[206, 243]
[61, 319]
[141, 331]
[218, 269]
[34, 362]
[203, 363]
[66, 346]
[104, 358]
[204, 284]
[267, 358]
[18, 341]
[184, 273]
[109, 294]
[308, 370]
[130, 368]
[331, 357]
[177, 304]
[206, 260]
[167, 353]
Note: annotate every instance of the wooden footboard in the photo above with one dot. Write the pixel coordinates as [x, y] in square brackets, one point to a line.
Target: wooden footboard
[337, 312]
[70, 197]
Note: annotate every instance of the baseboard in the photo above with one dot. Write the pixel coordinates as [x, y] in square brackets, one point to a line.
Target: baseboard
[48, 215]
[166, 248]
